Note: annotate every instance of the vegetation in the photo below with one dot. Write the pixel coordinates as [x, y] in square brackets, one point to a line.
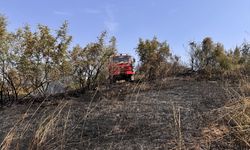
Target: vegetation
[41, 62]
[155, 58]
[179, 113]
[90, 63]
[211, 59]
[35, 62]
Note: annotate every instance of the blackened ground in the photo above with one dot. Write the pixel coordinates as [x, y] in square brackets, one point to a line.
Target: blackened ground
[169, 114]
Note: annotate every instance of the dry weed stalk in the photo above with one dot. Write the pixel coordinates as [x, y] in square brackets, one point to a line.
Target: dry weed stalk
[177, 126]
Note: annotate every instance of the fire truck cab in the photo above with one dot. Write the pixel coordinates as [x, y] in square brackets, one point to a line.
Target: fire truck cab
[121, 67]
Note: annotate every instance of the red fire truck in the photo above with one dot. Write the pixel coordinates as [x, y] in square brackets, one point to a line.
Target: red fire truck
[121, 67]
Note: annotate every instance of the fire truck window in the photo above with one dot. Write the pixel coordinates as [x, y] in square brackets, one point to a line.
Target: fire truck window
[120, 59]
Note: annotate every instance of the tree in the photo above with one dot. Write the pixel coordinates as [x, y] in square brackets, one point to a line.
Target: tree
[195, 56]
[236, 55]
[245, 57]
[206, 55]
[222, 61]
[245, 50]
[3, 55]
[77, 60]
[154, 56]
[209, 57]
[90, 62]
[61, 55]
[36, 59]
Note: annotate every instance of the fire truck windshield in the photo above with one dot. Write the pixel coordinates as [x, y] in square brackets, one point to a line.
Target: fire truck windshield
[118, 59]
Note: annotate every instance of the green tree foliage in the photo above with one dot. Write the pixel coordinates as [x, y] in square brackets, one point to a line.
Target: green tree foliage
[245, 57]
[90, 62]
[31, 61]
[245, 50]
[41, 57]
[236, 56]
[62, 57]
[154, 57]
[4, 37]
[211, 58]
[38, 59]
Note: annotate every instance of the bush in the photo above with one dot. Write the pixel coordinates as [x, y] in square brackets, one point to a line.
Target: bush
[212, 60]
[156, 59]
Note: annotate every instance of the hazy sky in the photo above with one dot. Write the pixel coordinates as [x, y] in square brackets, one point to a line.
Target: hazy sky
[176, 21]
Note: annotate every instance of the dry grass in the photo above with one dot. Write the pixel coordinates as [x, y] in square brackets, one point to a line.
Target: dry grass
[48, 134]
[245, 87]
[238, 120]
[234, 118]
[5, 145]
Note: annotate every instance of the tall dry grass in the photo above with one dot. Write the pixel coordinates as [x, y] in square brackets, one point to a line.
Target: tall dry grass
[237, 114]
[48, 134]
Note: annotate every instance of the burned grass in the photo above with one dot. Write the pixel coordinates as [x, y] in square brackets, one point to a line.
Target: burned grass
[171, 114]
